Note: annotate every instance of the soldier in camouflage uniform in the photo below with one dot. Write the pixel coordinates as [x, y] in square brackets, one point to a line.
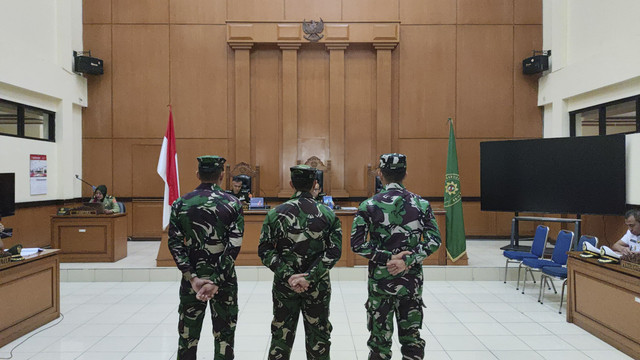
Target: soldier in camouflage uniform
[402, 233]
[205, 234]
[301, 241]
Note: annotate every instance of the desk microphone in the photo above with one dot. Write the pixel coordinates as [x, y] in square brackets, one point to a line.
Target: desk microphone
[79, 178]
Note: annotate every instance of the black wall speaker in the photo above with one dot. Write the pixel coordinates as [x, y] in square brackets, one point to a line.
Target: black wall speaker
[535, 64]
[87, 64]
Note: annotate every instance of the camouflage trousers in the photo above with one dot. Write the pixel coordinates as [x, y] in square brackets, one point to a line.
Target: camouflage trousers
[409, 314]
[224, 315]
[287, 305]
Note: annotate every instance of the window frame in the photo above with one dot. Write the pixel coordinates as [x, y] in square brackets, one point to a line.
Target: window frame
[21, 121]
[602, 115]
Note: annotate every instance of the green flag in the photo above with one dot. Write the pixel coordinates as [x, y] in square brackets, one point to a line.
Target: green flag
[456, 239]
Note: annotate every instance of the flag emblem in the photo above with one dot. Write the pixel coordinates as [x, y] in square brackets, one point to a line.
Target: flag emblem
[451, 188]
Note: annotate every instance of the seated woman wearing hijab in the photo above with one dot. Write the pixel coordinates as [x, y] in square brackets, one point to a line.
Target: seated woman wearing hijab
[110, 204]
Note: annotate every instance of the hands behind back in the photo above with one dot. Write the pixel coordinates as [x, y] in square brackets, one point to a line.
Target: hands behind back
[397, 265]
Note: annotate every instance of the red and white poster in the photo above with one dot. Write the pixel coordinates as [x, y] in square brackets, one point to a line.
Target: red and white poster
[38, 174]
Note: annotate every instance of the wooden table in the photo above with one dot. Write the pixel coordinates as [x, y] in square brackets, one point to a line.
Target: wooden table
[604, 299]
[90, 238]
[29, 294]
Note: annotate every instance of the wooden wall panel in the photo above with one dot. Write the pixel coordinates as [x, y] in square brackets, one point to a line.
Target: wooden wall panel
[313, 102]
[144, 162]
[197, 11]
[360, 117]
[146, 219]
[608, 229]
[266, 128]
[97, 159]
[255, 9]
[311, 9]
[123, 162]
[427, 12]
[426, 164]
[140, 80]
[370, 10]
[96, 117]
[199, 81]
[477, 222]
[31, 226]
[485, 11]
[188, 151]
[469, 165]
[527, 116]
[428, 80]
[485, 81]
[527, 12]
[96, 12]
[140, 11]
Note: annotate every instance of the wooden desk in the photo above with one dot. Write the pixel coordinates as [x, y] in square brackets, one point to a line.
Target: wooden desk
[90, 238]
[29, 294]
[604, 299]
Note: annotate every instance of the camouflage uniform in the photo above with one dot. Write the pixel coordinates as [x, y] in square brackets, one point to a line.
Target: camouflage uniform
[205, 234]
[301, 236]
[396, 220]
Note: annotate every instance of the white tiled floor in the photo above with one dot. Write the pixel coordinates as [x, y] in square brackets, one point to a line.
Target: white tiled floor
[463, 320]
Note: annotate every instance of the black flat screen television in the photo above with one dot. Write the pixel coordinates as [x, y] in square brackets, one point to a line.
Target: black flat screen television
[7, 194]
[578, 175]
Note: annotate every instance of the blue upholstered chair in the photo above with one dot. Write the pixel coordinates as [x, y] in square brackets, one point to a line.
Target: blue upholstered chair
[537, 252]
[550, 273]
[558, 258]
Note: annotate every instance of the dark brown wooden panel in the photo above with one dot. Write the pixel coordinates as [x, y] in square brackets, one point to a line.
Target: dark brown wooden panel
[426, 164]
[266, 127]
[96, 12]
[527, 12]
[188, 151]
[310, 9]
[140, 11]
[199, 80]
[97, 164]
[140, 80]
[477, 222]
[427, 80]
[370, 10]
[144, 163]
[146, 218]
[198, 11]
[427, 12]
[255, 9]
[96, 117]
[527, 116]
[360, 117]
[485, 81]
[485, 11]
[313, 102]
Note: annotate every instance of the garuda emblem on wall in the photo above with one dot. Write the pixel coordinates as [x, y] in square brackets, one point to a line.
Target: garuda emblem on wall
[313, 29]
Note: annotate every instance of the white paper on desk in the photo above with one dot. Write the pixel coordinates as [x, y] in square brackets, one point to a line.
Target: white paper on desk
[29, 251]
[348, 208]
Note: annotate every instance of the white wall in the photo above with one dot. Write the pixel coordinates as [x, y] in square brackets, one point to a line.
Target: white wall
[594, 60]
[38, 37]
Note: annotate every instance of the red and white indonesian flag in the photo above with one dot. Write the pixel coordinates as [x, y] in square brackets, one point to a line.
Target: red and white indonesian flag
[168, 171]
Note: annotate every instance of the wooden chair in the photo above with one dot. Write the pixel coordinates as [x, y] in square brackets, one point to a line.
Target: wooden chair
[325, 177]
[247, 171]
[374, 184]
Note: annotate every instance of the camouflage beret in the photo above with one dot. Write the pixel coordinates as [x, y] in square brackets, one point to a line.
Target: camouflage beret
[393, 161]
[302, 172]
[210, 163]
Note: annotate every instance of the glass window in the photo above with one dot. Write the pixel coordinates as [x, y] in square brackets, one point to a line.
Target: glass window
[587, 123]
[36, 124]
[621, 118]
[26, 121]
[616, 117]
[8, 118]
